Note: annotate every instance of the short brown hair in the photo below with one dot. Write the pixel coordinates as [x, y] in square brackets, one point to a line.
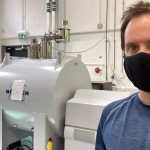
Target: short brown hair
[136, 9]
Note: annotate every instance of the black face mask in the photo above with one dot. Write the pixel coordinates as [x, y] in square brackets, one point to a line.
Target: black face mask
[137, 68]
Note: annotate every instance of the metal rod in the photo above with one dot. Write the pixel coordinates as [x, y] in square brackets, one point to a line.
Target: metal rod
[106, 39]
[23, 15]
[123, 8]
[94, 32]
[100, 9]
[65, 9]
[115, 3]
[48, 10]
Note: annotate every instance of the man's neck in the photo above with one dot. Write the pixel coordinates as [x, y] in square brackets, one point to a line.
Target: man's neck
[145, 97]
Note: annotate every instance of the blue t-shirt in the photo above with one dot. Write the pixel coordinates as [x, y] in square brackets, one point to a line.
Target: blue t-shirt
[124, 125]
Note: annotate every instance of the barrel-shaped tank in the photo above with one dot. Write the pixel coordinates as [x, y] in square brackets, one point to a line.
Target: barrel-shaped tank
[47, 87]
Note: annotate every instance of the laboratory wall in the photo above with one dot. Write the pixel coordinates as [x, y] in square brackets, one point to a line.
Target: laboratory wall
[88, 21]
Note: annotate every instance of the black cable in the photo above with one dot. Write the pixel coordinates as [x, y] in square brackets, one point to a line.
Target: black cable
[21, 147]
[26, 147]
[27, 141]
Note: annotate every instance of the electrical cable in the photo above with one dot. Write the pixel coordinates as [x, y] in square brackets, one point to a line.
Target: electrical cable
[26, 146]
[82, 50]
[111, 68]
[21, 147]
[120, 83]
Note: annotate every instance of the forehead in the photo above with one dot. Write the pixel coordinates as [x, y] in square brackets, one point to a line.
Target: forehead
[138, 28]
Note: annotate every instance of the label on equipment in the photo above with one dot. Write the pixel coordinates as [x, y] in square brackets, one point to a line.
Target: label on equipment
[17, 90]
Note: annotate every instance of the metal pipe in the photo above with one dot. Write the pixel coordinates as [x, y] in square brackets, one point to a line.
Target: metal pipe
[115, 3]
[123, 5]
[23, 13]
[48, 9]
[122, 62]
[106, 39]
[94, 32]
[65, 10]
[53, 28]
[100, 14]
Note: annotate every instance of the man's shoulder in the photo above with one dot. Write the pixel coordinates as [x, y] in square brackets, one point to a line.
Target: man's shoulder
[118, 103]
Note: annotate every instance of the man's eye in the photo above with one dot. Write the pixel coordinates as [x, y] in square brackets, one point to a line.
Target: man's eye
[132, 48]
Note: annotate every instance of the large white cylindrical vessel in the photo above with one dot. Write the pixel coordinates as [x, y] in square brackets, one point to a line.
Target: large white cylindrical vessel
[47, 88]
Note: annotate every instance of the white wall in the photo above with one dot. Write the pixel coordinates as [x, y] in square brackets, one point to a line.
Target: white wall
[11, 21]
[83, 17]
[12, 17]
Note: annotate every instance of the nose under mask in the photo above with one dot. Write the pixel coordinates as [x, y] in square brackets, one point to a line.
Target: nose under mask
[137, 68]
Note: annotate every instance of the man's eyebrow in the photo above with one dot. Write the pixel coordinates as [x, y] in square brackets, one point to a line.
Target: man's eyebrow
[130, 44]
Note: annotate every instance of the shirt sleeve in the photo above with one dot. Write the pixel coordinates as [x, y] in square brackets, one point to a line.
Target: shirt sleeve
[99, 138]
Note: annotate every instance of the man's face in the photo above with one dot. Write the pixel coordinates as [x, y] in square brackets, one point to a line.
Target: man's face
[137, 35]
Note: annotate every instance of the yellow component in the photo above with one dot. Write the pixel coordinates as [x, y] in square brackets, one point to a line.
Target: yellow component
[49, 145]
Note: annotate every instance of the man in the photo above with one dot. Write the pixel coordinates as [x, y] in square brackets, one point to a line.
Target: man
[125, 124]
